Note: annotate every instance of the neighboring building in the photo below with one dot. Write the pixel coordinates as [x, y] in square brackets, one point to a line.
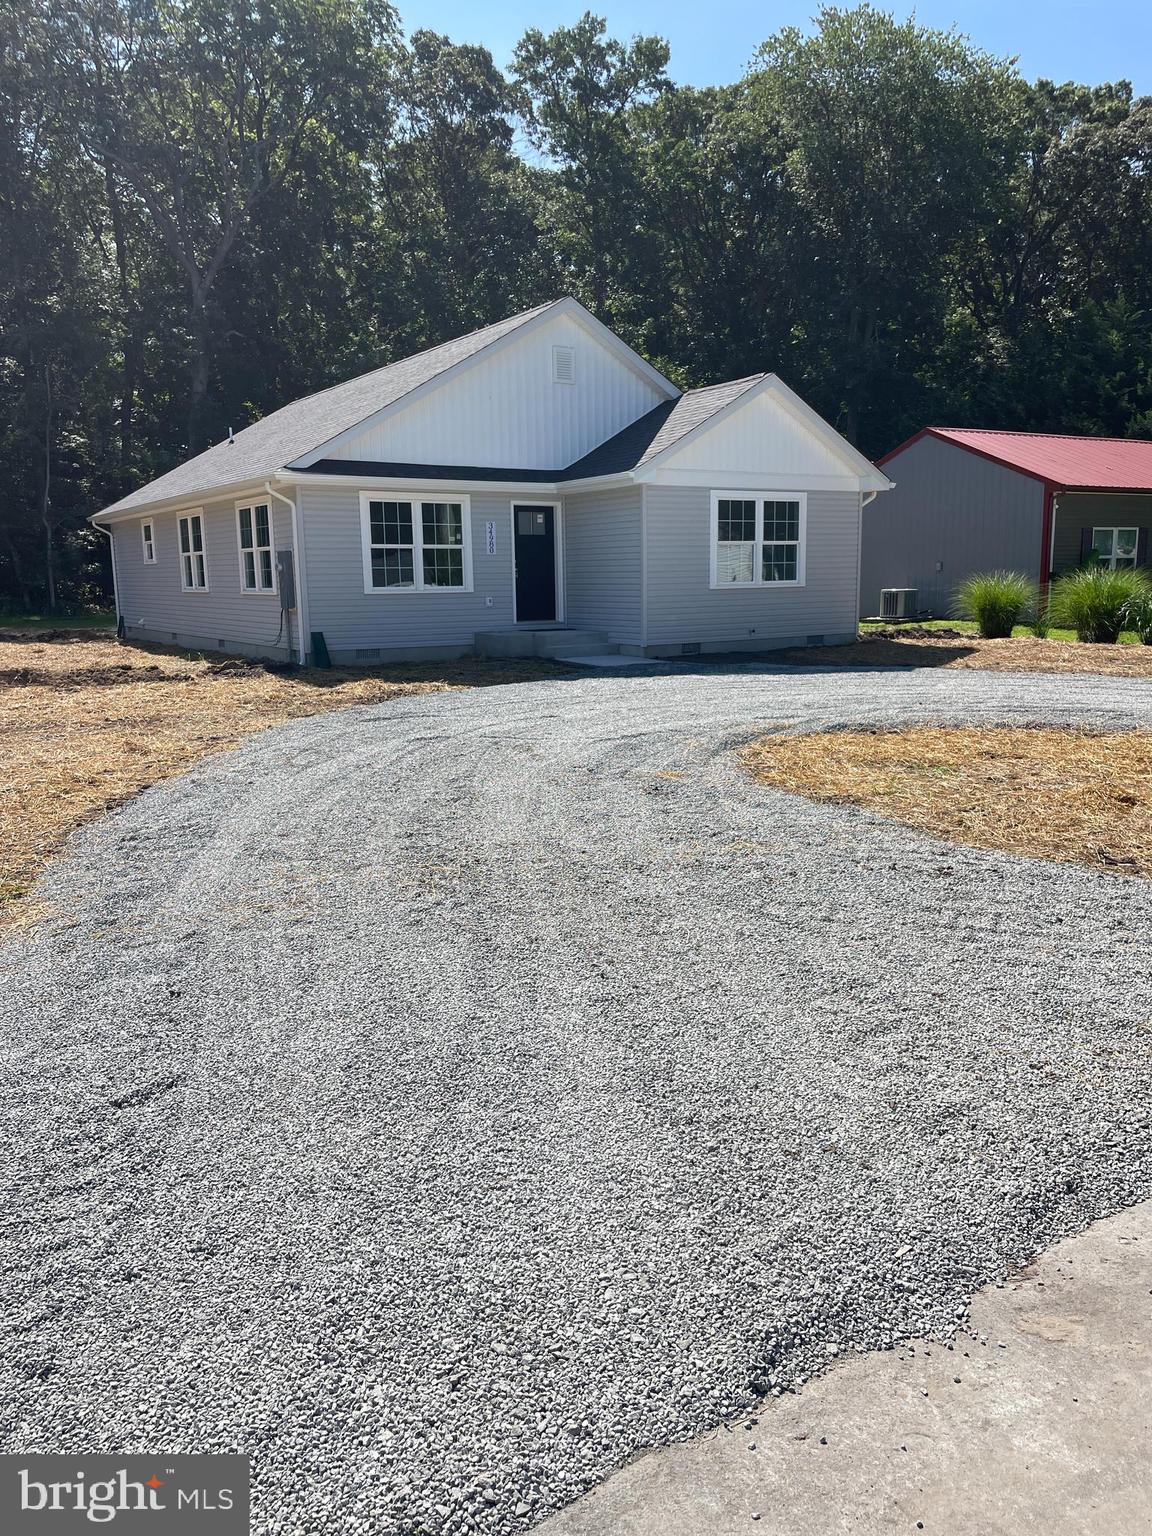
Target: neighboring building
[534, 477]
[967, 501]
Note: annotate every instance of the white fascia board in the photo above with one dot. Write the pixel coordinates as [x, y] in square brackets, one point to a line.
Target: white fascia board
[620, 349]
[568, 307]
[863, 472]
[202, 498]
[871, 479]
[524, 488]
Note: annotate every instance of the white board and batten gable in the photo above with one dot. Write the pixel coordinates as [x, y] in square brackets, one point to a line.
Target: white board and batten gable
[768, 438]
[539, 399]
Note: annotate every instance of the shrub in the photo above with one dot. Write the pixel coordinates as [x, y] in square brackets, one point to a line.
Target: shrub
[997, 600]
[1138, 615]
[1095, 601]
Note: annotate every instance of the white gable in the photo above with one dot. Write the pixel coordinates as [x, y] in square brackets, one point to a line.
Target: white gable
[511, 408]
[763, 440]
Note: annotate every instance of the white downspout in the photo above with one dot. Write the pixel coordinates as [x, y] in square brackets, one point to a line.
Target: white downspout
[866, 500]
[301, 584]
[115, 583]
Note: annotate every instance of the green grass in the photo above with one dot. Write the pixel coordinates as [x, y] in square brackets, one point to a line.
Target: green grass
[966, 627]
[99, 620]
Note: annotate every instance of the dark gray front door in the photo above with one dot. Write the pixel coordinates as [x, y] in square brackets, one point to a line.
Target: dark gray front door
[535, 546]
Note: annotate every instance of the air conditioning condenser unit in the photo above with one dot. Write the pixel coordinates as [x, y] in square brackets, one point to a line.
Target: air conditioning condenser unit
[898, 602]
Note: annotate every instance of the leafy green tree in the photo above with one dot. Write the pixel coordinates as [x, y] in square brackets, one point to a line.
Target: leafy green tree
[204, 109]
[893, 136]
[579, 90]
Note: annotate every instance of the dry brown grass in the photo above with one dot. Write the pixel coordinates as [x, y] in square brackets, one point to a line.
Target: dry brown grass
[948, 648]
[1074, 796]
[87, 722]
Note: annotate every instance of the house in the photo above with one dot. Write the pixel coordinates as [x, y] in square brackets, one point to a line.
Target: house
[535, 487]
[967, 501]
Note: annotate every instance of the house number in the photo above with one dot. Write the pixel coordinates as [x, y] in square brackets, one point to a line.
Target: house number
[490, 532]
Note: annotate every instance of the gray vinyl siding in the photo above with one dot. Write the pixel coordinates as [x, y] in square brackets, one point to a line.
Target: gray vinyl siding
[1077, 510]
[951, 513]
[682, 608]
[602, 563]
[352, 620]
[154, 605]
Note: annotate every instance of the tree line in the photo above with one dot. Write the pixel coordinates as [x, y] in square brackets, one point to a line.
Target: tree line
[211, 207]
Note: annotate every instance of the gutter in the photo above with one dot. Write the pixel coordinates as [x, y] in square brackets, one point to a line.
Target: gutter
[301, 580]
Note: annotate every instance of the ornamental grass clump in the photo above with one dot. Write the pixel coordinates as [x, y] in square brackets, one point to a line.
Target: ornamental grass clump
[1138, 615]
[1095, 601]
[997, 600]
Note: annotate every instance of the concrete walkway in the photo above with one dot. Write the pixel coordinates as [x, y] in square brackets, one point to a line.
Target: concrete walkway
[1042, 1422]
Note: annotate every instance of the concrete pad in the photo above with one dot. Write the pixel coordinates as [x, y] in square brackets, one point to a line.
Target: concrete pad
[610, 661]
[1046, 1429]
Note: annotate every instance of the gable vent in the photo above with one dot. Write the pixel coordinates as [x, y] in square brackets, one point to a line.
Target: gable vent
[563, 365]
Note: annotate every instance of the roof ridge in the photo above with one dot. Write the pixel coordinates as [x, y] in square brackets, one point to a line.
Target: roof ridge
[747, 378]
[1074, 437]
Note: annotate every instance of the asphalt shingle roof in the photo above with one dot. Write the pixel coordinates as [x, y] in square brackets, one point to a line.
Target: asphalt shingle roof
[276, 440]
[658, 429]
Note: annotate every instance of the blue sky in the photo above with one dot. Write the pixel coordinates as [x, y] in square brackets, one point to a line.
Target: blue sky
[712, 40]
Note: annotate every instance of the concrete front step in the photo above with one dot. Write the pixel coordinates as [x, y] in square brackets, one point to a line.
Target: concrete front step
[554, 641]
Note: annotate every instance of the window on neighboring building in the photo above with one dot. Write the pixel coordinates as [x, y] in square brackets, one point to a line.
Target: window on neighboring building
[193, 570]
[148, 535]
[1115, 547]
[254, 531]
[415, 545]
[758, 538]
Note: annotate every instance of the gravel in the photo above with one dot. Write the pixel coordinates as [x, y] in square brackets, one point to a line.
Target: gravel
[444, 1099]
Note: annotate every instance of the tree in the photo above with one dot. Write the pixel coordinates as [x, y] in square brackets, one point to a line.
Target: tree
[453, 187]
[204, 109]
[895, 136]
[578, 91]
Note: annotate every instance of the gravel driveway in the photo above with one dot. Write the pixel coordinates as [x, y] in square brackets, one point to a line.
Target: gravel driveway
[443, 1099]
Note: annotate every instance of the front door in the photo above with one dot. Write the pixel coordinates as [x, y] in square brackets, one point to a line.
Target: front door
[535, 554]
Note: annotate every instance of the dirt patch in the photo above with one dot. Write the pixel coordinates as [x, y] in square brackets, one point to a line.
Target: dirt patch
[1074, 796]
[950, 648]
[86, 722]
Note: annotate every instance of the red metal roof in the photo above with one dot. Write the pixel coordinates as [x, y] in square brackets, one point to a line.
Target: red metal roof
[1070, 463]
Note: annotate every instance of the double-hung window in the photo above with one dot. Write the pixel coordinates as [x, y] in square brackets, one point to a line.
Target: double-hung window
[1115, 547]
[193, 570]
[254, 531]
[148, 539]
[415, 545]
[758, 538]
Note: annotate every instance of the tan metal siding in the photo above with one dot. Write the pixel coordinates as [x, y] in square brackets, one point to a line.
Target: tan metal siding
[152, 599]
[1077, 510]
[352, 619]
[952, 513]
[602, 562]
[683, 608]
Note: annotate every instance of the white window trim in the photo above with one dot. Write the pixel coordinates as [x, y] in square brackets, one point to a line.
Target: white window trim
[180, 516]
[759, 497]
[1110, 562]
[252, 504]
[148, 540]
[415, 497]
